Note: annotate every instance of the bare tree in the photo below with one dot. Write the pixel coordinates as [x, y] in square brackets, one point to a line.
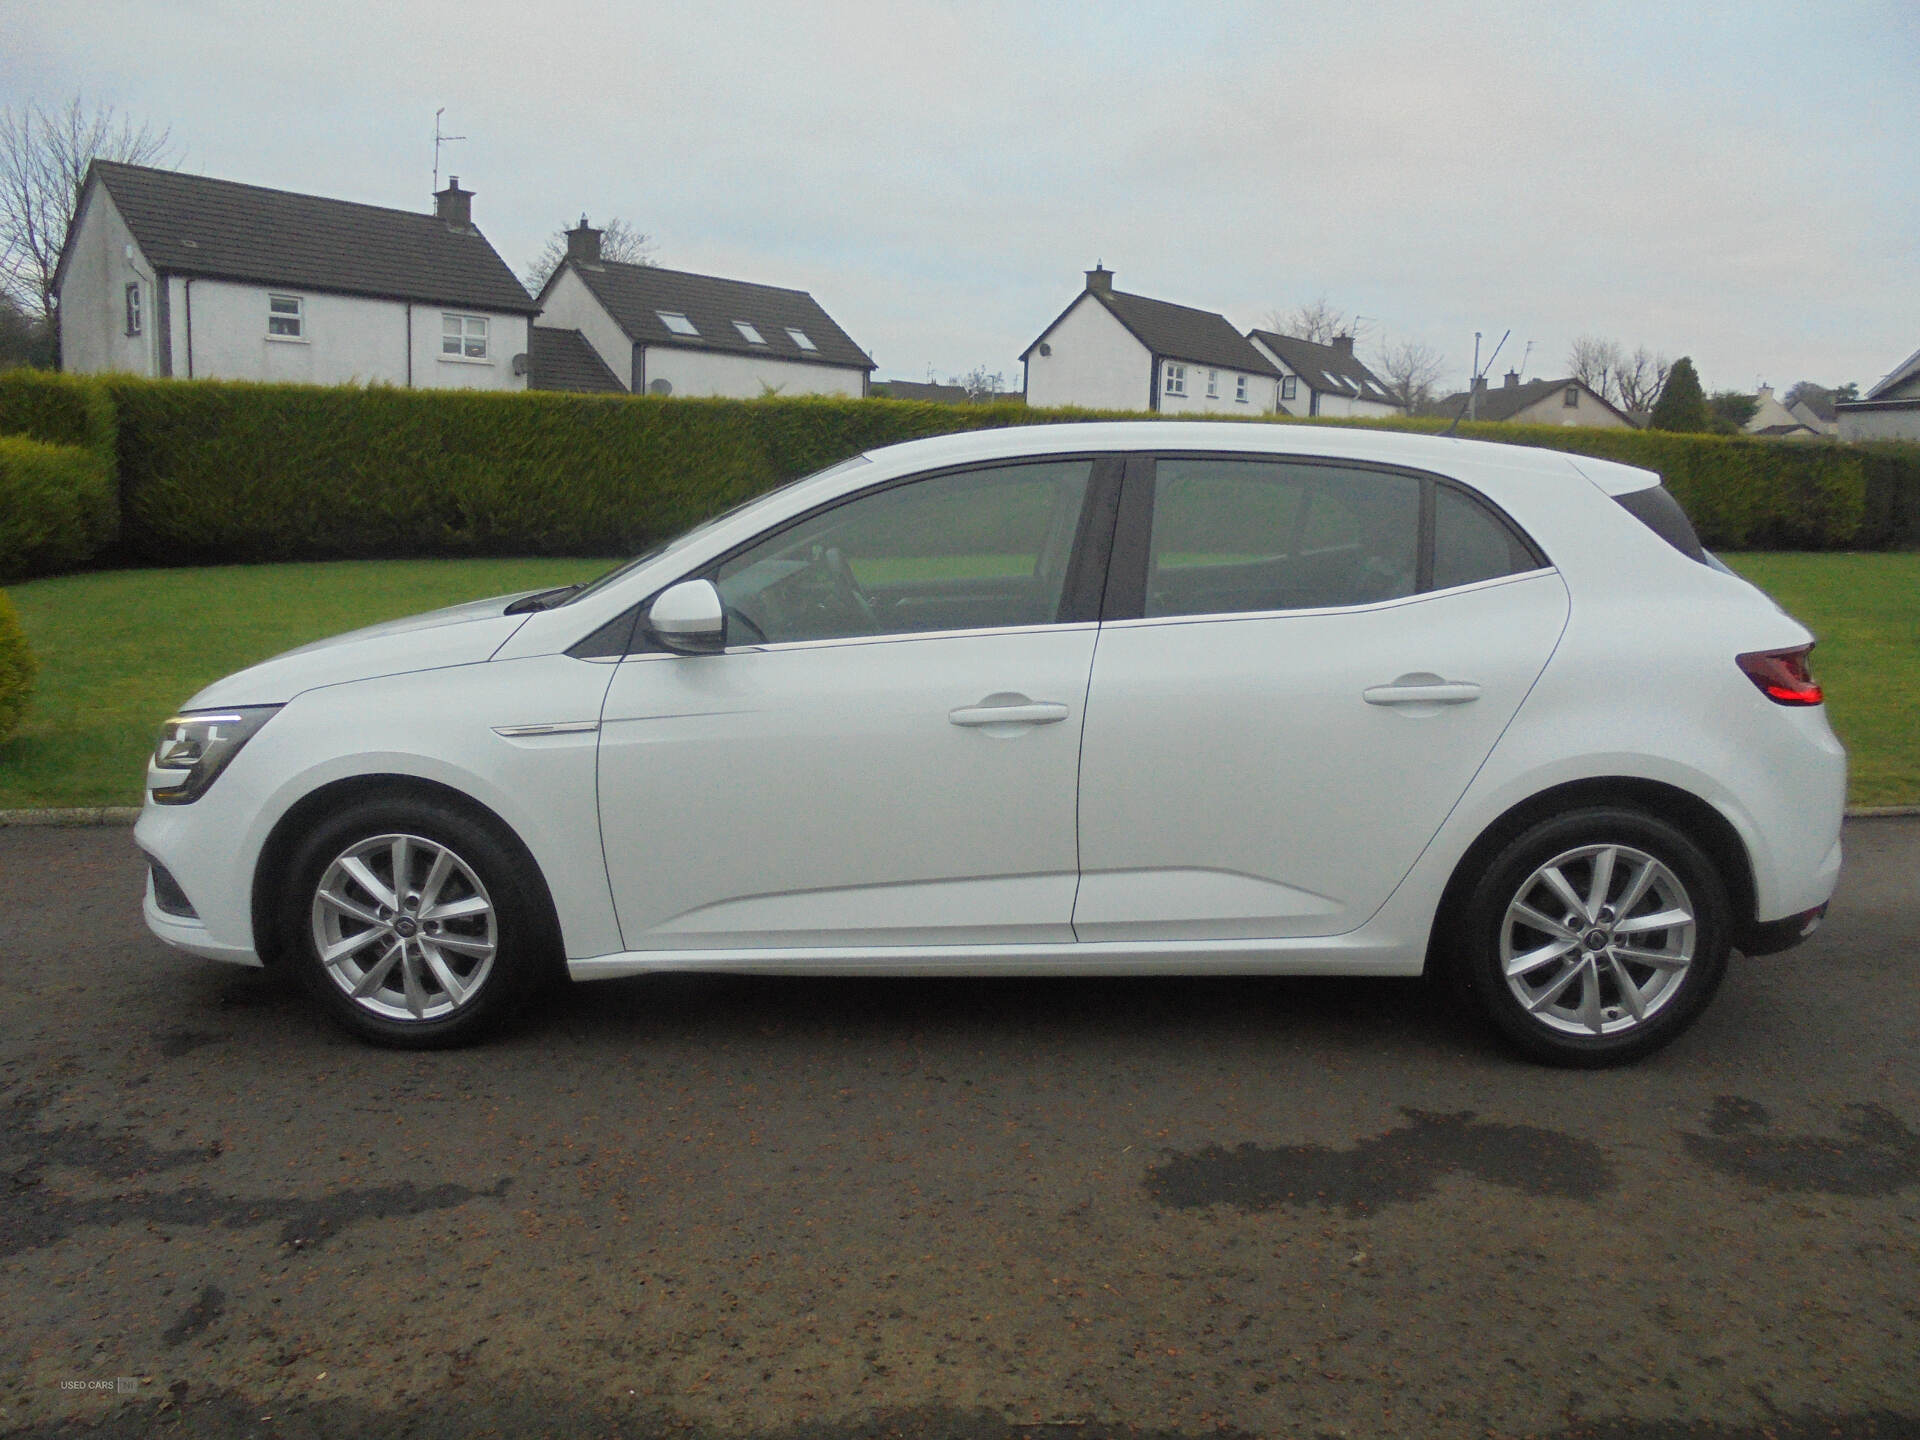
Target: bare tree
[1318, 320]
[619, 242]
[981, 384]
[44, 156]
[1410, 369]
[1594, 363]
[1639, 378]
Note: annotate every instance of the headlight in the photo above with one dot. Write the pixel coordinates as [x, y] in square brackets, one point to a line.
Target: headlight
[194, 748]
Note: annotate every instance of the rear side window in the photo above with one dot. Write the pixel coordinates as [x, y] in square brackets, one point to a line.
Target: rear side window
[1471, 543]
[1656, 509]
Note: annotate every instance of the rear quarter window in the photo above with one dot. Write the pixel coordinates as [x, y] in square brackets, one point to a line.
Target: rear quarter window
[1656, 509]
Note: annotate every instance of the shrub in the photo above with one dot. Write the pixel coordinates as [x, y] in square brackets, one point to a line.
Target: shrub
[57, 409]
[1892, 511]
[57, 507]
[17, 669]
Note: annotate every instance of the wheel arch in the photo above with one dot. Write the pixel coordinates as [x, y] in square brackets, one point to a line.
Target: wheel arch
[1700, 821]
[270, 871]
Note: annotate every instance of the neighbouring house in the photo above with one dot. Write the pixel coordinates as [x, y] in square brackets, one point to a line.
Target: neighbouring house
[1890, 410]
[1778, 422]
[1538, 402]
[170, 274]
[1323, 379]
[670, 332]
[1112, 351]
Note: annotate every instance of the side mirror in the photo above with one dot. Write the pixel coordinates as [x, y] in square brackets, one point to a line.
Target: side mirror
[689, 618]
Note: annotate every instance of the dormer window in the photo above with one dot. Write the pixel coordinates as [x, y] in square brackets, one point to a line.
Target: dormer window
[677, 323]
[748, 333]
[799, 337]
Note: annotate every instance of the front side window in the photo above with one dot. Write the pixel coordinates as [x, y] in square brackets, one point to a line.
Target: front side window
[286, 317]
[977, 549]
[133, 308]
[1289, 387]
[464, 336]
[1234, 536]
[1176, 379]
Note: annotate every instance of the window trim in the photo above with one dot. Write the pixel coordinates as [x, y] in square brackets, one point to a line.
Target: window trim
[1132, 549]
[298, 315]
[1240, 389]
[1173, 380]
[486, 338]
[1082, 589]
[1213, 384]
[1289, 387]
[134, 316]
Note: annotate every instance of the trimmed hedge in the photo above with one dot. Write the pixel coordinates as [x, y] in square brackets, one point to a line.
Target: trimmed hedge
[57, 507]
[213, 471]
[17, 669]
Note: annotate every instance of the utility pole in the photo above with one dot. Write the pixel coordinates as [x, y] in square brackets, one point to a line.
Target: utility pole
[1473, 381]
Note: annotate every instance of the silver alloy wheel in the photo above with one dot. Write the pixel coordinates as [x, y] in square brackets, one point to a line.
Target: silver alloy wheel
[404, 927]
[1597, 940]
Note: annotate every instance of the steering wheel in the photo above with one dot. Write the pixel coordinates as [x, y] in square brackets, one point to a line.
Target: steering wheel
[834, 565]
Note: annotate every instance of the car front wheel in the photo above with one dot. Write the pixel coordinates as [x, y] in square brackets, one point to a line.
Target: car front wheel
[1595, 937]
[414, 925]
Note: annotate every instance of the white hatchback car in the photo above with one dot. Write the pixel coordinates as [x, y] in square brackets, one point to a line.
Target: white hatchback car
[1072, 700]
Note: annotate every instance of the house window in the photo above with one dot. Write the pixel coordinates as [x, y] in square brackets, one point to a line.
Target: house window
[748, 333]
[1176, 379]
[133, 308]
[286, 317]
[1240, 388]
[1572, 398]
[464, 336]
[1289, 387]
[799, 337]
[1213, 384]
[676, 322]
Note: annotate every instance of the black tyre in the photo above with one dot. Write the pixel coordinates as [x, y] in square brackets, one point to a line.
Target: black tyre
[416, 925]
[1594, 938]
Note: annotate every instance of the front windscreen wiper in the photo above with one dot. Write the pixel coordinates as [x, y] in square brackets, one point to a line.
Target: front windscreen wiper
[545, 600]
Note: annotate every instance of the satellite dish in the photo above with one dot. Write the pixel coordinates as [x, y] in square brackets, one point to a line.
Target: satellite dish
[660, 387]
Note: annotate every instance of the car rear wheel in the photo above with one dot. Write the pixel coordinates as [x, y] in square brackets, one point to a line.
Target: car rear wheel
[415, 925]
[1595, 938]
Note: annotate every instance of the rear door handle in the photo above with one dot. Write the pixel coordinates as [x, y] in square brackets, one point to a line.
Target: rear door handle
[1010, 710]
[1422, 690]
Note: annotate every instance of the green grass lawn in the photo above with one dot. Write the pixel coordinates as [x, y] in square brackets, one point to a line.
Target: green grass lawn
[1865, 609]
[120, 649]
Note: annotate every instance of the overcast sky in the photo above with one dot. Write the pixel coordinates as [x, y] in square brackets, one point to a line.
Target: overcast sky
[1736, 182]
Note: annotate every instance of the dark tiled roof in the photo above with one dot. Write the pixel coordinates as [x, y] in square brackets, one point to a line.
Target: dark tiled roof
[636, 294]
[1179, 332]
[194, 225]
[1324, 368]
[920, 390]
[1895, 383]
[1503, 402]
[563, 360]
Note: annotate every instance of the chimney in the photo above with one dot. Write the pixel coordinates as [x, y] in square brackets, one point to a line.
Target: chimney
[1100, 279]
[1343, 345]
[454, 205]
[1479, 385]
[583, 242]
[1513, 379]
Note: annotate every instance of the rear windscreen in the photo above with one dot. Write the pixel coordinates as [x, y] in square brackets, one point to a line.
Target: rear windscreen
[1656, 509]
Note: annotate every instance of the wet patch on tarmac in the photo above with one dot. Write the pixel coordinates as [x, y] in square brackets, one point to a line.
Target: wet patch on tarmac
[1397, 1167]
[36, 1214]
[197, 1317]
[175, 1043]
[1880, 1155]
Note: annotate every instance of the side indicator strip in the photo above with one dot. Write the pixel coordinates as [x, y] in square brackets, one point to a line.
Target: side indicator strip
[558, 727]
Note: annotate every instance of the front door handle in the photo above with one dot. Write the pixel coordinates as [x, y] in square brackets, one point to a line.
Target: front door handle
[1009, 710]
[1421, 689]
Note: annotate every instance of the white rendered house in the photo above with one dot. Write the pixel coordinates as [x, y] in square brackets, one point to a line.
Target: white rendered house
[168, 274]
[1323, 379]
[1109, 350]
[1891, 409]
[671, 332]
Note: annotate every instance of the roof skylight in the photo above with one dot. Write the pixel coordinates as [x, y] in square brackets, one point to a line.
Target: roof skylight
[748, 333]
[799, 338]
[676, 322]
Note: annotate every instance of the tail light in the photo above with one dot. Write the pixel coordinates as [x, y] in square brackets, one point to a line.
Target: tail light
[1782, 675]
